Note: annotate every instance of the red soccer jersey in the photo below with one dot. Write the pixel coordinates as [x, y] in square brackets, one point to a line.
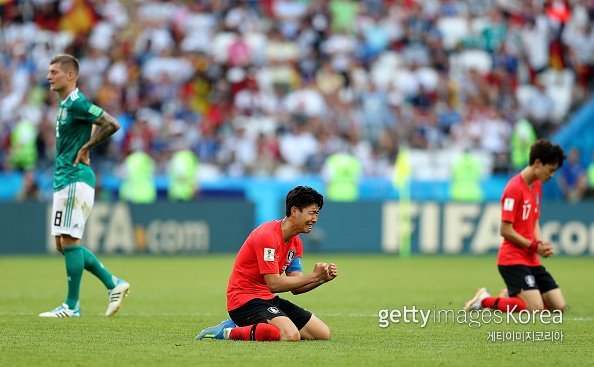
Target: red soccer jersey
[520, 205]
[263, 252]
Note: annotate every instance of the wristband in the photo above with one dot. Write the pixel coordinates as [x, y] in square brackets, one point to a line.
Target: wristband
[534, 245]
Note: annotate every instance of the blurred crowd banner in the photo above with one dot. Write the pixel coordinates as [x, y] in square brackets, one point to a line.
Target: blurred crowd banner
[361, 227]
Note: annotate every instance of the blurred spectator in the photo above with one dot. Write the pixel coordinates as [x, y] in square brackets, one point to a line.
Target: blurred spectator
[138, 179]
[375, 108]
[29, 189]
[572, 180]
[298, 145]
[306, 101]
[328, 144]
[540, 109]
[363, 74]
[342, 172]
[23, 148]
[580, 39]
[465, 184]
[522, 138]
[448, 115]
[590, 175]
[182, 170]
[46, 143]
[342, 13]
[267, 156]
[238, 152]
[140, 135]
[495, 139]
[535, 45]
[493, 33]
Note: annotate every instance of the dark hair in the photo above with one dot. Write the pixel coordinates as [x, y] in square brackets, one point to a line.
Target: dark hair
[547, 153]
[67, 61]
[301, 197]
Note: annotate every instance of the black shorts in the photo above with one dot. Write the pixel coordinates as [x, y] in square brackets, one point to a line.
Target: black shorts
[522, 277]
[259, 310]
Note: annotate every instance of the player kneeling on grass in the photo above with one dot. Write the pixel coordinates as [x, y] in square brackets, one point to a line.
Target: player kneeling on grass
[529, 285]
[271, 249]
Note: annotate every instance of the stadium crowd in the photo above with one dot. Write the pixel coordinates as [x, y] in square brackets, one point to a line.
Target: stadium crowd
[273, 87]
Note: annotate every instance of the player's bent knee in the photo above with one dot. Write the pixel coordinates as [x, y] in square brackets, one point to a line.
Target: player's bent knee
[288, 330]
[290, 336]
[535, 307]
[324, 333]
[320, 331]
[559, 307]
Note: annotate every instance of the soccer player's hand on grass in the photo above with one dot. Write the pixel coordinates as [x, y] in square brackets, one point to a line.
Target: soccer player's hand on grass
[332, 272]
[545, 249]
[83, 156]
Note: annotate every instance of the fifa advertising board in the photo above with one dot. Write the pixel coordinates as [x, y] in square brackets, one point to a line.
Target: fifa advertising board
[160, 228]
[362, 227]
[169, 228]
[442, 228]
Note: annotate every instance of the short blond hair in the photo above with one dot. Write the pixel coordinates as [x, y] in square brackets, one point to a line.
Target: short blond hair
[66, 61]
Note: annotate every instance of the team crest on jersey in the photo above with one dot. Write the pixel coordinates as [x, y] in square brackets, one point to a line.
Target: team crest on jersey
[290, 256]
[62, 114]
[273, 310]
[530, 281]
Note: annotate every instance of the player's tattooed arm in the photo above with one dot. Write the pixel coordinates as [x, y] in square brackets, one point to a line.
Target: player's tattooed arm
[105, 126]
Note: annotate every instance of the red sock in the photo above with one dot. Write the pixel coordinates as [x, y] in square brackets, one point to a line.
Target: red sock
[259, 332]
[503, 304]
[489, 302]
[509, 303]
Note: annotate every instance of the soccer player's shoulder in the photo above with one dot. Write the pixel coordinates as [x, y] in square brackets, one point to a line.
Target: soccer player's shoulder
[513, 183]
[266, 229]
[269, 226]
[77, 100]
[83, 105]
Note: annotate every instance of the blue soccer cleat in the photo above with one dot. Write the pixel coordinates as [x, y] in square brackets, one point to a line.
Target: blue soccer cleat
[217, 331]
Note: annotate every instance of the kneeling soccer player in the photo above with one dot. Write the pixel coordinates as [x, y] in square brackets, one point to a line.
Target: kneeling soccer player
[271, 249]
[529, 285]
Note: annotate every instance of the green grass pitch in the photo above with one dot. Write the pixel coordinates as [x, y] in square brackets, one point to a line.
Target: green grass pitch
[173, 298]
